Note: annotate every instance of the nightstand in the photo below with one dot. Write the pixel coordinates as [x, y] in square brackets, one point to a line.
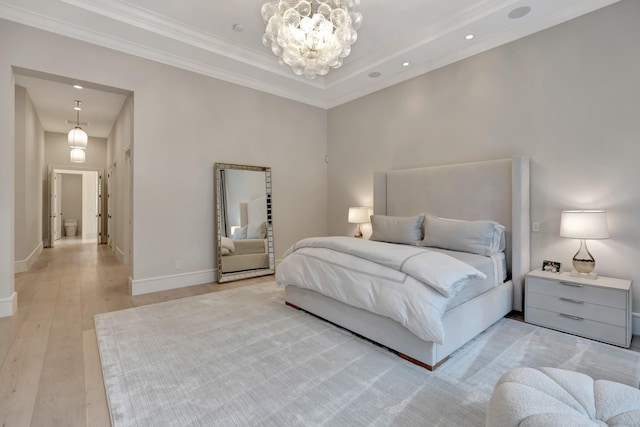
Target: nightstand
[599, 308]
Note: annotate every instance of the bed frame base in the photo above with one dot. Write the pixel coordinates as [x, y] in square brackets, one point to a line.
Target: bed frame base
[485, 310]
[421, 364]
[401, 355]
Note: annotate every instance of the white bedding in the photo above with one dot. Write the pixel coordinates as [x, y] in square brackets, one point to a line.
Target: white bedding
[494, 266]
[397, 281]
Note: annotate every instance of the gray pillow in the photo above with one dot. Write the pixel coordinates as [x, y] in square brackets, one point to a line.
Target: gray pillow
[397, 229]
[476, 237]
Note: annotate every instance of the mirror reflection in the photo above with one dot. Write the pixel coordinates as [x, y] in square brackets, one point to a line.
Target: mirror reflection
[243, 221]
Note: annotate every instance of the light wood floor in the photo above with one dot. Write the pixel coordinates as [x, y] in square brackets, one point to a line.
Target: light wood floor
[50, 372]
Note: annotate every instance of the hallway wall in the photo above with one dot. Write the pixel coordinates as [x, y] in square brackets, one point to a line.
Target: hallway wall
[29, 177]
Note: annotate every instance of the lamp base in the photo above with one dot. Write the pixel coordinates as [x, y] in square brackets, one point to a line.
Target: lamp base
[592, 275]
[583, 262]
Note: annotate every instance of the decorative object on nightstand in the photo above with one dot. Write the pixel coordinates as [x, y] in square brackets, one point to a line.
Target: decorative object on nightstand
[551, 266]
[584, 225]
[358, 215]
[598, 308]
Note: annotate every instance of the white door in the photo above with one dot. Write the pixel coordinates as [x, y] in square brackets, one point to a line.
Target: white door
[58, 194]
[89, 205]
[54, 206]
[109, 206]
[99, 185]
[128, 206]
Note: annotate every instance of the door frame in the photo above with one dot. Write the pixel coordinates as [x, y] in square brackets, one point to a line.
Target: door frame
[51, 169]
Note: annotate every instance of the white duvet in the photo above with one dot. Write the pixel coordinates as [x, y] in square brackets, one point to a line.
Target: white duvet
[409, 284]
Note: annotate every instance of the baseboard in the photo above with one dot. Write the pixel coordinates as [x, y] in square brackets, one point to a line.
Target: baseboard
[9, 306]
[119, 255]
[635, 323]
[164, 283]
[25, 264]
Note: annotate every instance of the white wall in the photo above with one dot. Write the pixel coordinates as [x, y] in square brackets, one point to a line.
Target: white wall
[29, 170]
[568, 97]
[183, 124]
[71, 200]
[120, 139]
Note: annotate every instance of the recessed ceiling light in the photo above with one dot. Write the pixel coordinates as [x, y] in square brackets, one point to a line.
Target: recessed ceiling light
[374, 74]
[469, 36]
[519, 12]
[238, 28]
[406, 64]
[77, 86]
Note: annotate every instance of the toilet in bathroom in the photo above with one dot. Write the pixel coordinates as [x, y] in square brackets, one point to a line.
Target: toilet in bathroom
[70, 227]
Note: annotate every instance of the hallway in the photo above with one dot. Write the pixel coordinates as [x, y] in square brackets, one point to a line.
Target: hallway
[50, 372]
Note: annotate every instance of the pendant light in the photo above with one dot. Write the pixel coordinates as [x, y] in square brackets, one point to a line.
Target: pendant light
[77, 155]
[77, 139]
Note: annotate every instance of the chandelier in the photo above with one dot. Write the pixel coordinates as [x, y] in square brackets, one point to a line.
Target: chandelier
[311, 36]
[77, 138]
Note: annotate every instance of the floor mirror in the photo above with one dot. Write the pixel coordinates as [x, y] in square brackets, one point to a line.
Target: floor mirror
[243, 221]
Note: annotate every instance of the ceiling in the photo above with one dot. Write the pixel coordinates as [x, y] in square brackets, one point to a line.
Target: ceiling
[199, 36]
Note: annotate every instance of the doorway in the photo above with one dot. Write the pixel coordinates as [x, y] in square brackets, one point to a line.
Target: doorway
[75, 206]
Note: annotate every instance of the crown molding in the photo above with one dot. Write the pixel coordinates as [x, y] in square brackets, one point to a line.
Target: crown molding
[174, 30]
[259, 71]
[63, 28]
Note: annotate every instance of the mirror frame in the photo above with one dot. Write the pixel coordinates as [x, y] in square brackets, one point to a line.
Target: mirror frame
[245, 274]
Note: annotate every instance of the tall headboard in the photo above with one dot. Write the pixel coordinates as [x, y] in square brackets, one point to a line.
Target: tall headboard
[253, 212]
[490, 190]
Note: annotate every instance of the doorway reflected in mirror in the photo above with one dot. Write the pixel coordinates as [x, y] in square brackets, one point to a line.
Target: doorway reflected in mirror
[243, 221]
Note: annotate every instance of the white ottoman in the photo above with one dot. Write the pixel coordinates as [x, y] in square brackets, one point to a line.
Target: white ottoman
[529, 397]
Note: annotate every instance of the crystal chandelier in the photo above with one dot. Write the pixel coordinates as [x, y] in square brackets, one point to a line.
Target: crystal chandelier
[311, 36]
[77, 138]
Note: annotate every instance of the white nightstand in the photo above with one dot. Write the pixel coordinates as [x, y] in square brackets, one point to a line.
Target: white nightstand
[599, 308]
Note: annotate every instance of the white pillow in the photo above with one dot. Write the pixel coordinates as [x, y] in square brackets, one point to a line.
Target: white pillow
[257, 231]
[397, 229]
[240, 233]
[476, 237]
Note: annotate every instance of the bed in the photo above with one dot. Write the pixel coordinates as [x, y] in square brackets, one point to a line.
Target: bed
[495, 190]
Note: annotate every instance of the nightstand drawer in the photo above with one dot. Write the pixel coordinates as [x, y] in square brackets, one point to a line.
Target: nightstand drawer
[591, 294]
[586, 328]
[575, 307]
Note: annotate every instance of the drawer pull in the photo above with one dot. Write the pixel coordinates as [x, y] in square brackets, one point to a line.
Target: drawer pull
[575, 301]
[575, 285]
[570, 316]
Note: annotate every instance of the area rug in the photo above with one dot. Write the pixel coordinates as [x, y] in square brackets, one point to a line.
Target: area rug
[242, 358]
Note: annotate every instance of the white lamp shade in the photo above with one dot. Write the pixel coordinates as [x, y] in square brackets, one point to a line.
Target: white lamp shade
[358, 215]
[77, 155]
[77, 138]
[584, 225]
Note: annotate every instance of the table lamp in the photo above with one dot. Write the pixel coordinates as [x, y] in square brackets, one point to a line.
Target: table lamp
[358, 215]
[584, 225]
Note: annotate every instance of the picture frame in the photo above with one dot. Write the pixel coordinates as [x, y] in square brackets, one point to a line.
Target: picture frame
[551, 266]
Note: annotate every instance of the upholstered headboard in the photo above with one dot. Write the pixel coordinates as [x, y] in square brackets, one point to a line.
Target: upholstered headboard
[253, 212]
[489, 190]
